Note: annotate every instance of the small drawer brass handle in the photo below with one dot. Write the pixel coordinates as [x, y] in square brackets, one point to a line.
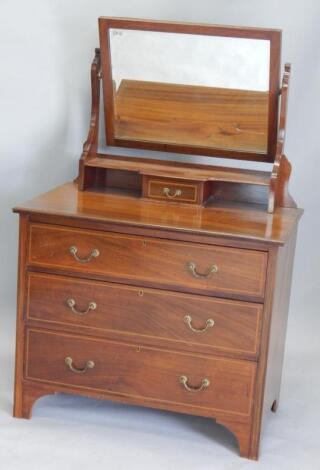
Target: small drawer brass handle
[193, 268]
[72, 305]
[89, 365]
[183, 379]
[74, 251]
[188, 321]
[167, 192]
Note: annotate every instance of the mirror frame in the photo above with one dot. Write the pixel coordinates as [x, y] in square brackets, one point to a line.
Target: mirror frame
[272, 35]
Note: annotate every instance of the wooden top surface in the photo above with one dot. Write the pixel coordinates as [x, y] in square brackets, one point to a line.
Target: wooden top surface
[170, 169]
[239, 221]
[192, 115]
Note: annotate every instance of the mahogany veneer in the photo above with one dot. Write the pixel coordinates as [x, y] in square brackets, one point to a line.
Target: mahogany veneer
[156, 334]
[131, 370]
[176, 190]
[142, 259]
[143, 313]
[161, 283]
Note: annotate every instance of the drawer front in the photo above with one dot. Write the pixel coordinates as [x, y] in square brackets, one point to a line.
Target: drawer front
[172, 190]
[178, 265]
[140, 371]
[212, 324]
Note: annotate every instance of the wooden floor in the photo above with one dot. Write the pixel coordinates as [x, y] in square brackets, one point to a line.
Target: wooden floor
[199, 116]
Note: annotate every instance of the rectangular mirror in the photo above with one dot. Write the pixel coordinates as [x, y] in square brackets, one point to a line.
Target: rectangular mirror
[196, 89]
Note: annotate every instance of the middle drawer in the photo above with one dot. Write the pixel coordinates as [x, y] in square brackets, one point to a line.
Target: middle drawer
[208, 324]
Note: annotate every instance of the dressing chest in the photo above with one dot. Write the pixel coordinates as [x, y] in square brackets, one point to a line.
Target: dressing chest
[164, 282]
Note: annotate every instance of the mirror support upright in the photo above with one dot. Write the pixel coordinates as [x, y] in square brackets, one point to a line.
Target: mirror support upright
[90, 146]
[278, 190]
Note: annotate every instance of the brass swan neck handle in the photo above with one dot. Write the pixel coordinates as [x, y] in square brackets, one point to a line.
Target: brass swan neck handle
[193, 269]
[69, 362]
[74, 251]
[167, 192]
[183, 379]
[188, 321]
[71, 303]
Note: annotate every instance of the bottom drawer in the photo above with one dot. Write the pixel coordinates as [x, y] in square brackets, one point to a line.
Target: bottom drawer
[141, 372]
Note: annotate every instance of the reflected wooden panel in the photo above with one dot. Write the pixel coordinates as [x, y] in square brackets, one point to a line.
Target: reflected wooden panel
[202, 116]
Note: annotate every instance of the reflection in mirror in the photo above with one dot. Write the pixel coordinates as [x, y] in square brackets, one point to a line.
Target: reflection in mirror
[186, 89]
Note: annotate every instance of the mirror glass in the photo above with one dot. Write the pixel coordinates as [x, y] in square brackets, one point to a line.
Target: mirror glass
[187, 89]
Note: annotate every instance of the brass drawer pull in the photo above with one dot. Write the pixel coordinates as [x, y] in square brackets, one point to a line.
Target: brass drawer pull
[167, 192]
[89, 365]
[72, 305]
[74, 250]
[193, 268]
[183, 379]
[188, 321]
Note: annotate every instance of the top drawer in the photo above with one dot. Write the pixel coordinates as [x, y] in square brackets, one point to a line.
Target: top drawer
[178, 265]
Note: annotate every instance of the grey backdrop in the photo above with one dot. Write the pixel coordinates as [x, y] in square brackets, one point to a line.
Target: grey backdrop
[46, 48]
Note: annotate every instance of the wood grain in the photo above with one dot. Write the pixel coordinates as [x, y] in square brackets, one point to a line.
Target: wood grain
[180, 170]
[278, 328]
[137, 335]
[147, 315]
[202, 116]
[155, 190]
[187, 191]
[91, 143]
[139, 371]
[281, 171]
[162, 263]
[18, 409]
[107, 172]
[274, 36]
[221, 223]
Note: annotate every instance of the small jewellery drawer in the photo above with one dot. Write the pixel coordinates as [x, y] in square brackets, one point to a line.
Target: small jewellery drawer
[142, 372]
[178, 265]
[175, 190]
[208, 324]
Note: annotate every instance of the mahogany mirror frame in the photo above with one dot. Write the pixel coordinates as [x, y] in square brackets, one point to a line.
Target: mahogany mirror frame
[272, 35]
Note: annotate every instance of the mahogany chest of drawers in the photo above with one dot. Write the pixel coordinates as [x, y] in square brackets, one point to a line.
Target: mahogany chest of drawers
[182, 309]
